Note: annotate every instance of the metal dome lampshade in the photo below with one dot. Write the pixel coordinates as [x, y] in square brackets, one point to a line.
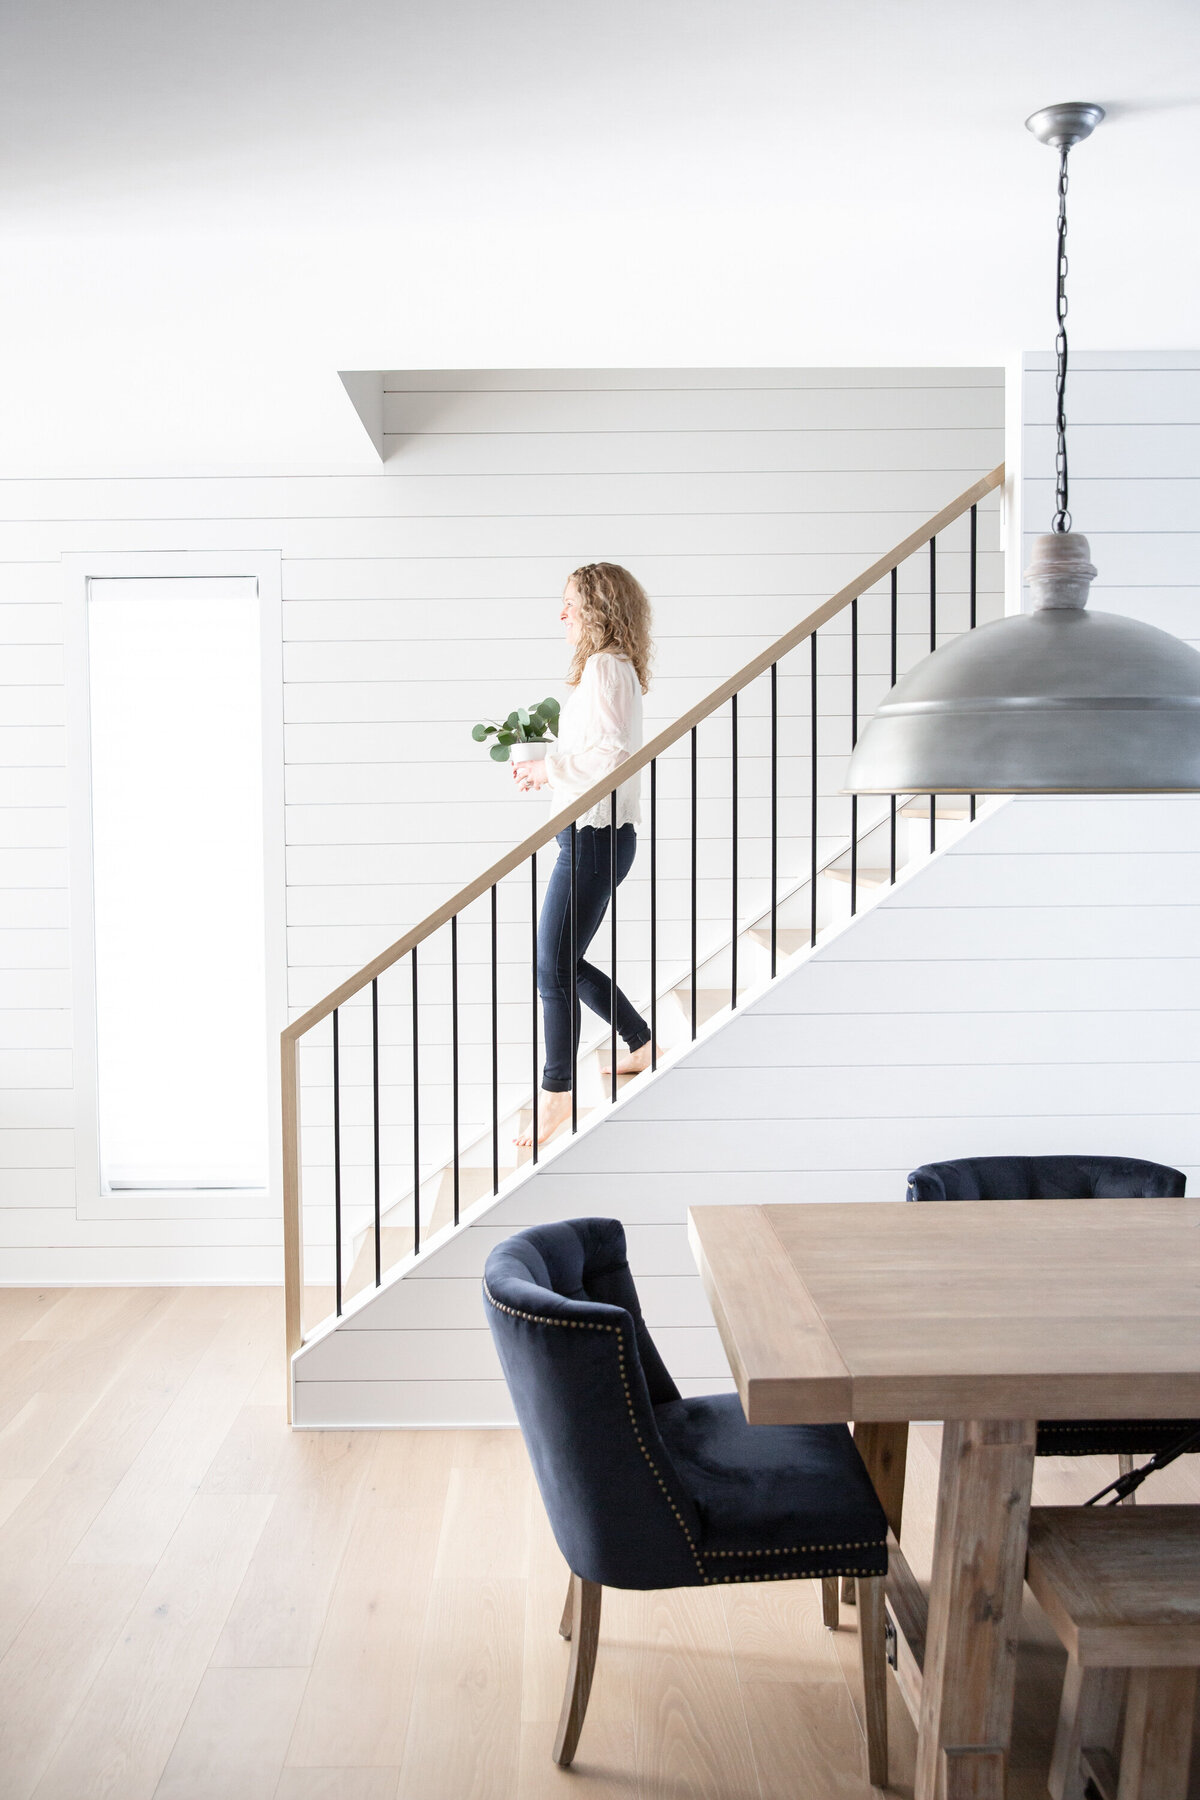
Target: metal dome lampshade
[1060, 700]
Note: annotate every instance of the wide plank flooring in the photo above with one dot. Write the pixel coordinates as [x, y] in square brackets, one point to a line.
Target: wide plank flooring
[198, 1604]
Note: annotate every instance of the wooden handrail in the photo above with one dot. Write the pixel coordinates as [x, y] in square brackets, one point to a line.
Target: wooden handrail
[293, 1249]
[600, 790]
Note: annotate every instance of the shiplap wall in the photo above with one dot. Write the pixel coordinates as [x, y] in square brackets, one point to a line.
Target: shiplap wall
[416, 599]
[1035, 988]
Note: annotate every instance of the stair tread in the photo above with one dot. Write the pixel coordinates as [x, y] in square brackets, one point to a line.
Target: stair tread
[915, 810]
[394, 1244]
[475, 1180]
[709, 1001]
[788, 938]
[864, 877]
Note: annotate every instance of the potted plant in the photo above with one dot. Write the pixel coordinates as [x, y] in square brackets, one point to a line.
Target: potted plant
[524, 736]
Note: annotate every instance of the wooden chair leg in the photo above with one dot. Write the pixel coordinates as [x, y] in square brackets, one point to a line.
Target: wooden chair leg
[1088, 1718]
[872, 1652]
[1125, 1467]
[829, 1601]
[1158, 1734]
[847, 1590]
[564, 1624]
[585, 1635]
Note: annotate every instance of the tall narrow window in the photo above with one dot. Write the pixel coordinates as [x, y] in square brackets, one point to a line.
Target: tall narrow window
[177, 828]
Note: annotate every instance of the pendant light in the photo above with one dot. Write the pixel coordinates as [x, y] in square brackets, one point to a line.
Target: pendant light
[1059, 700]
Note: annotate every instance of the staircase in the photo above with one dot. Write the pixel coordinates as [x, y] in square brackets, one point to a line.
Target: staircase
[839, 886]
[796, 870]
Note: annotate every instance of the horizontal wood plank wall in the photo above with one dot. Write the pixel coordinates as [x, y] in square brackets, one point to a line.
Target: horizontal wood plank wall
[418, 597]
[1035, 989]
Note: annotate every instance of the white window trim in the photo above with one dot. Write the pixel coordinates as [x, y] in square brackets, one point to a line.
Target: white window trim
[263, 566]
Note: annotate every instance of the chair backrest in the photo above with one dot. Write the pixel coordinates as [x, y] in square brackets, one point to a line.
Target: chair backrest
[1045, 1178]
[585, 1377]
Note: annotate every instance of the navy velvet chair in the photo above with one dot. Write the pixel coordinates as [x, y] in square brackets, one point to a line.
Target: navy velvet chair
[645, 1489]
[1066, 1178]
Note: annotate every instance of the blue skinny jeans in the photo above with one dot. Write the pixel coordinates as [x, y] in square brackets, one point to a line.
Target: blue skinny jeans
[592, 985]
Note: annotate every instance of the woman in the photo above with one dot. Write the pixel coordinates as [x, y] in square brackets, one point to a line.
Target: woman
[607, 619]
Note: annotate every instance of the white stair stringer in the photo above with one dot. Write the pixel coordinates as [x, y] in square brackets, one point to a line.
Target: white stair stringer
[793, 928]
[417, 1350]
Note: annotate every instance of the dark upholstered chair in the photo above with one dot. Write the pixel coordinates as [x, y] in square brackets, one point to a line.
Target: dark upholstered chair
[1046, 1178]
[647, 1490]
[1066, 1178]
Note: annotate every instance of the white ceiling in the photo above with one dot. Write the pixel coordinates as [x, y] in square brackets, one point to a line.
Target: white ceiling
[208, 208]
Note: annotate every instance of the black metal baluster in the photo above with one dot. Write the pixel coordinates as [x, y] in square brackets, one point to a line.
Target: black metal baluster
[853, 741]
[533, 901]
[812, 874]
[774, 812]
[974, 551]
[654, 914]
[893, 670]
[416, 1097]
[974, 544]
[337, 1170]
[454, 1050]
[693, 881]
[574, 991]
[932, 647]
[495, 1059]
[375, 1098]
[612, 907]
[733, 721]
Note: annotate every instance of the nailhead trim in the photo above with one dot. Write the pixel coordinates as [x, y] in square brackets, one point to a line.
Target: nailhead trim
[799, 1549]
[697, 1555]
[795, 1575]
[592, 1325]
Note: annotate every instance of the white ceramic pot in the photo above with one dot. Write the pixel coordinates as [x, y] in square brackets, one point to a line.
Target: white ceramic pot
[528, 752]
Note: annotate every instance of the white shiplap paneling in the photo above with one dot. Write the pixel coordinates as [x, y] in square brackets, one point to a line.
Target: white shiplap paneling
[1036, 988]
[415, 598]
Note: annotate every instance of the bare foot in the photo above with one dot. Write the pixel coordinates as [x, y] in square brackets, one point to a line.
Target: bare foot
[553, 1110]
[633, 1063]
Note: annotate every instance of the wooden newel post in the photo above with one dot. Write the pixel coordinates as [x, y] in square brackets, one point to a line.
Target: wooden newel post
[293, 1259]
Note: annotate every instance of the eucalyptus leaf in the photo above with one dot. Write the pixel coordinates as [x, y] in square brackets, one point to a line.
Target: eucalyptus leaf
[524, 725]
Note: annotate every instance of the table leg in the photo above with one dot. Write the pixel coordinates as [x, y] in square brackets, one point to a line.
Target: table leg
[884, 1449]
[974, 1609]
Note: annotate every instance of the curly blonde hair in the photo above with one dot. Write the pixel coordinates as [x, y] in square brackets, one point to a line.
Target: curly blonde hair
[613, 610]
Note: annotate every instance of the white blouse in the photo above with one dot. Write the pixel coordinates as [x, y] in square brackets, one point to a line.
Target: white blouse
[599, 728]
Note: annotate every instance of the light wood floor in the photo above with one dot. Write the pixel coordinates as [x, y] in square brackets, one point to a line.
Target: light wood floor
[196, 1604]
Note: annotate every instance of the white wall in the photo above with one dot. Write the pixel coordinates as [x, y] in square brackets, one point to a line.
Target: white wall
[416, 600]
[204, 220]
[1134, 446]
[1035, 989]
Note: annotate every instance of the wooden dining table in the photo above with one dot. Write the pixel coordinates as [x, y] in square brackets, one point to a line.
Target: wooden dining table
[988, 1316]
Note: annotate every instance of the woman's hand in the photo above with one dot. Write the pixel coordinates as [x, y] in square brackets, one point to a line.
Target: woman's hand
[530, 775]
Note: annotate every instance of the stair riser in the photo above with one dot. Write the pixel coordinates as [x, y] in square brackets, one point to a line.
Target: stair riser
[914, 835]
[714, 974]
